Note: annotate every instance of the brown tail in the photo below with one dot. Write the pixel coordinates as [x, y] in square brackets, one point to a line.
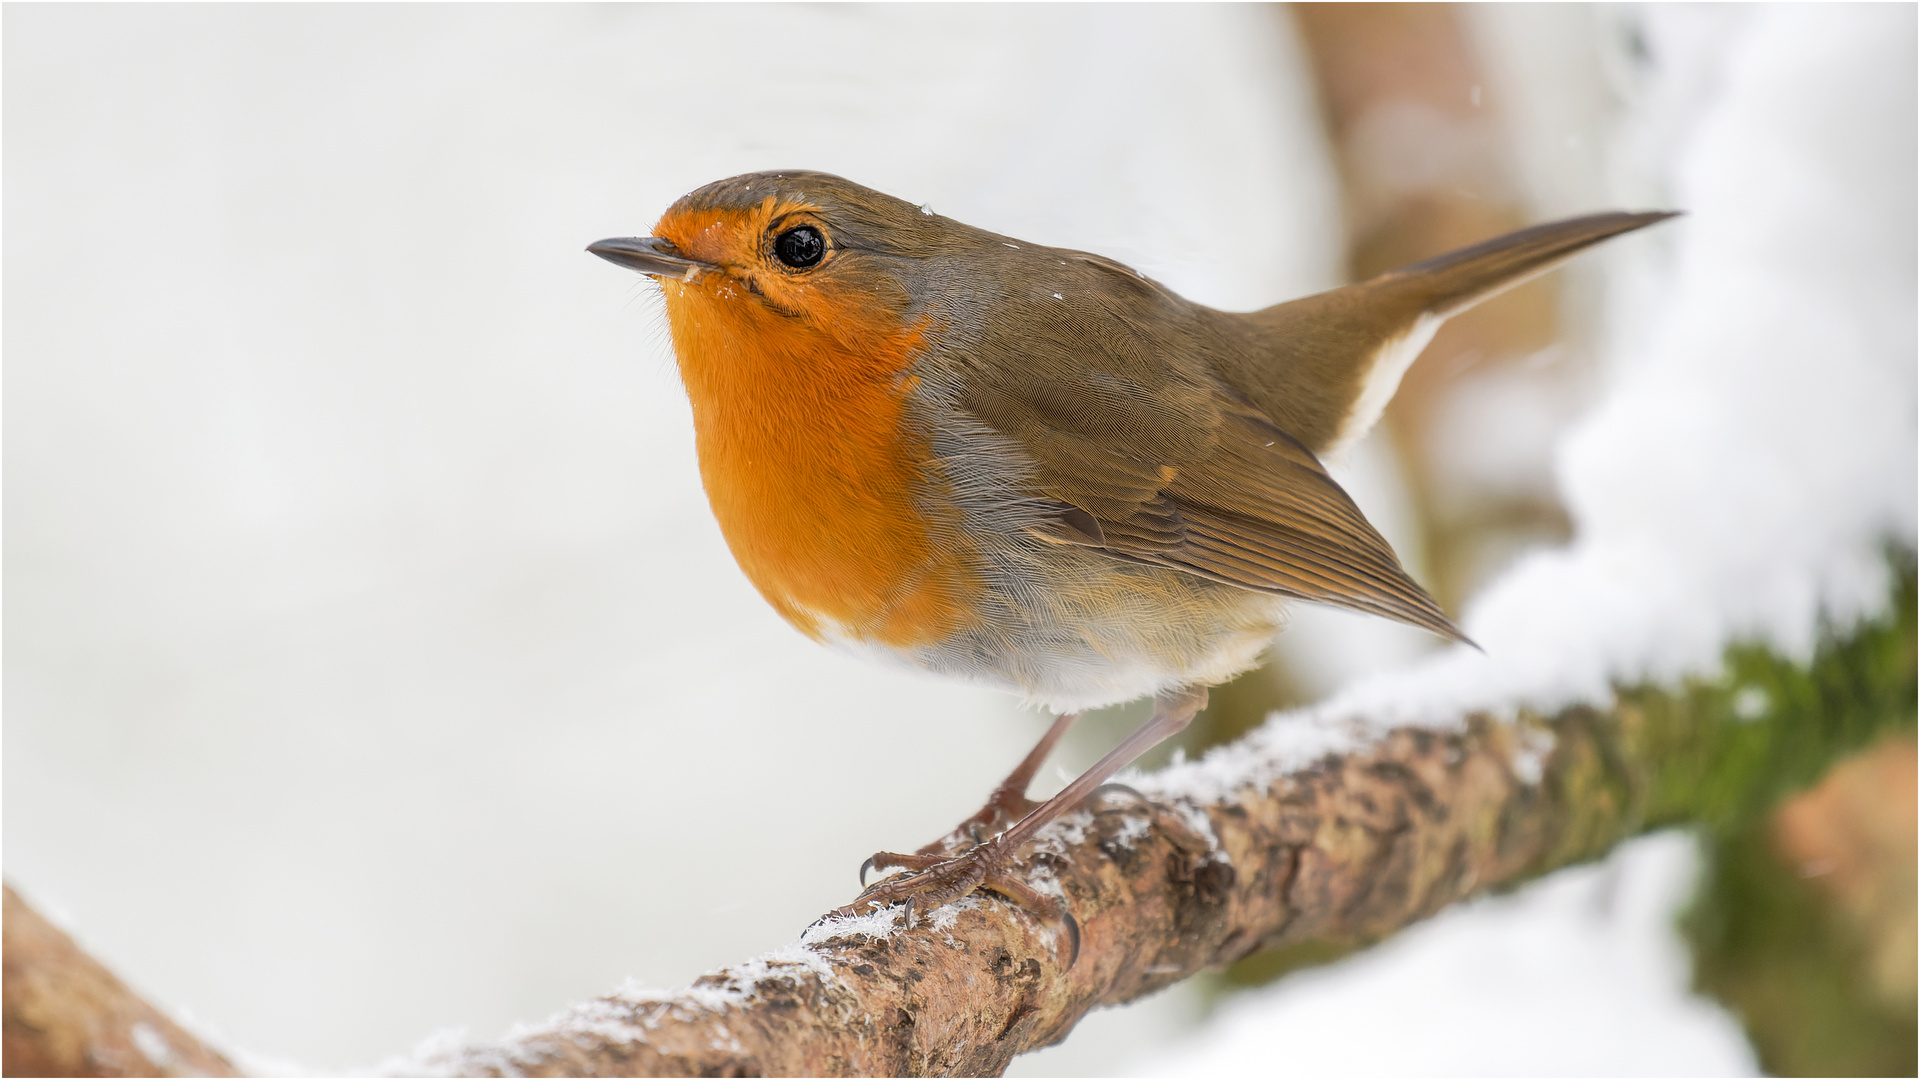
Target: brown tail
[1319, 366]
[1450, 283]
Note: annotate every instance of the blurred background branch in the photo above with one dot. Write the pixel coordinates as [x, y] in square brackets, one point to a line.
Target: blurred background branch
[65, 1015]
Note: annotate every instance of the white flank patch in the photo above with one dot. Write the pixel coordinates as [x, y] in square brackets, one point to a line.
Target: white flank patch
[1383, 379]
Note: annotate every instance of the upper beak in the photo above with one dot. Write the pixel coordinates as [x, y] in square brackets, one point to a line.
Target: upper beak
[650, 255]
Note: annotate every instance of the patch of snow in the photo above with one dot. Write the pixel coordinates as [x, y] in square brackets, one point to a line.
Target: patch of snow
[1064, 832]
[945, 916]
[152, 1045]
[878, 925]
[1134, 828]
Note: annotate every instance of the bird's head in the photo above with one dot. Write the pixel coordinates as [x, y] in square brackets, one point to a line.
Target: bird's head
[793, 256]
[799, 306]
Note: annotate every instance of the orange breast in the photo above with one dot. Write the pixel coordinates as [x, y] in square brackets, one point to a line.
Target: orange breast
[822, 492]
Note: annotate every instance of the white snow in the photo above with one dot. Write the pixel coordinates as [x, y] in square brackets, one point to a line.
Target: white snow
[878, 925]
[152, 1045]
[634, 1009]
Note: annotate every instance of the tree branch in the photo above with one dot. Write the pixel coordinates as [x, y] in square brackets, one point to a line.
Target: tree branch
[65, 1015]
[1313, 860]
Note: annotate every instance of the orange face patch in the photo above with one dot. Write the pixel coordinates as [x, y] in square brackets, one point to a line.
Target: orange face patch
[799, 395]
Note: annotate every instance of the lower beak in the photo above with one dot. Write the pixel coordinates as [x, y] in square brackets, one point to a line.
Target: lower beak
[650, 255]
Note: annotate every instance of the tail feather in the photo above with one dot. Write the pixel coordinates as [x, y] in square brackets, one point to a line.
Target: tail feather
[1453, 282]
[1324, 366]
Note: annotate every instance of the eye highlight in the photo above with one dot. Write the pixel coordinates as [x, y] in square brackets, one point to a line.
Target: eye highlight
[800, 247]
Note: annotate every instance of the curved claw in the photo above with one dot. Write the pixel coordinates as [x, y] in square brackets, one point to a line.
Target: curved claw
[1073, 938]
[865, 868]
[1107, 791]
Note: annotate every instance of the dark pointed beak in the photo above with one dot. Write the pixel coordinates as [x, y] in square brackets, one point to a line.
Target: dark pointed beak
[650, 255]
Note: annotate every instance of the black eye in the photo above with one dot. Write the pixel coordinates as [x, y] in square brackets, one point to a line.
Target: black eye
[801, 247]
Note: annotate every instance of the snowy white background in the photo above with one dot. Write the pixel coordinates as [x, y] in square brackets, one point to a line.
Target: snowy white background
[375, 667]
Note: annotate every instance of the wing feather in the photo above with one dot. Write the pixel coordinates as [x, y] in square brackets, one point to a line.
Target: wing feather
[1115, 391]
[1252, 508]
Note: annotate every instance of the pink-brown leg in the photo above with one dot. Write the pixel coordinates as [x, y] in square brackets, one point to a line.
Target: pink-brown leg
[1009, 802]
[934, 881]
[1007, 805]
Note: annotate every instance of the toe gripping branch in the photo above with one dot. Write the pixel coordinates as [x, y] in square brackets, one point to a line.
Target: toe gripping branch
[935, 876]
[933, 880]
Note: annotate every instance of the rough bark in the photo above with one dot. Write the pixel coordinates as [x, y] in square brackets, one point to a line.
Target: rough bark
[1311, 860]
[65, 1015]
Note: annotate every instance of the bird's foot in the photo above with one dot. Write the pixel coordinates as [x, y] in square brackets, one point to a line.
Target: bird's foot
[934, 880]
[1004, 808]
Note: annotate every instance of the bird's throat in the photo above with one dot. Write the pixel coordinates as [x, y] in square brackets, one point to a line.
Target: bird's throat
[820, 485]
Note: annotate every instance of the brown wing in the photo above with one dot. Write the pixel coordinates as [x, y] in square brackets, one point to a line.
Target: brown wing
[1156, 424]
[1263, 514]
[1150, 458]
[1257, 511]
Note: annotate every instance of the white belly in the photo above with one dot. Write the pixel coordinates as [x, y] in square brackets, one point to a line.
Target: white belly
[1071, 629]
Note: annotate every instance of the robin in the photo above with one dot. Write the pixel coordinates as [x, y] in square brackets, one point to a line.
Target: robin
[1035, 468]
